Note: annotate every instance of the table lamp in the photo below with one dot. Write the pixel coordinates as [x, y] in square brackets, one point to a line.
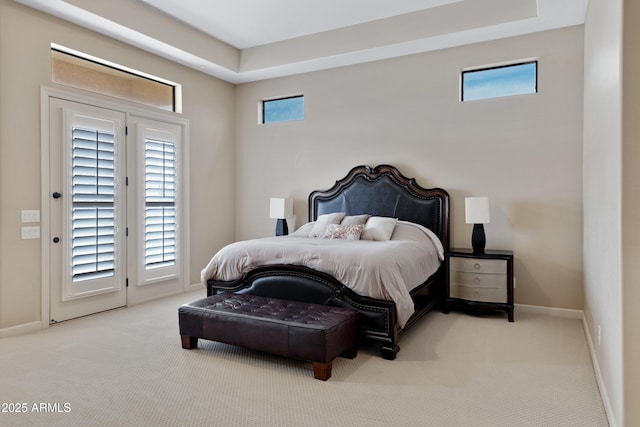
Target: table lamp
[280, 208]
[477, 213]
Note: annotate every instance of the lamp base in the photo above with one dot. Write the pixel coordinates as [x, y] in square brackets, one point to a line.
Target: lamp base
[281, 227]
[478, 239]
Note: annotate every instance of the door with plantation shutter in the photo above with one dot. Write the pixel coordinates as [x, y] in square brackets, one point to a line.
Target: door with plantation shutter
[88, 209]
[116, 203]
[155, 206]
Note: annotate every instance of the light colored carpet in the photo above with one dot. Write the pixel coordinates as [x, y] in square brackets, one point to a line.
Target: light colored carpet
[126, 368]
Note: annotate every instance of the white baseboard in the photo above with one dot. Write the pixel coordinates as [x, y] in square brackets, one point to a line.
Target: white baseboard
[596, 368]
[20, 329]
[194, 287]
[551, 311]
[38, 325]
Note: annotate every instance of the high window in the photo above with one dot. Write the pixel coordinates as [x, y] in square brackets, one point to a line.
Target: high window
[283, 109]
[72, 68]
[499, 81]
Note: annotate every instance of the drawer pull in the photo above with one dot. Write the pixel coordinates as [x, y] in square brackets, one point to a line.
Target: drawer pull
[476, 294]
[476, 266]
[476, 280]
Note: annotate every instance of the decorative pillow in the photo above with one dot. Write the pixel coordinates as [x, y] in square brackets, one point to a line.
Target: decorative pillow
[320, 225]
[355, 219]
[346, 232]
[304, 230]
[378, 228]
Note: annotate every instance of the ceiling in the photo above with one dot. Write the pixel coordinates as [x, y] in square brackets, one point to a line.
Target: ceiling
[247, 40]
[244, 24]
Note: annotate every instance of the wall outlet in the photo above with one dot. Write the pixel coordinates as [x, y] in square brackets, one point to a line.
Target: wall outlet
[599, 332]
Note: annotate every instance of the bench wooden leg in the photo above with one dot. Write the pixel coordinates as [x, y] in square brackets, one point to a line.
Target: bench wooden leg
[322, 371]
[189, 342]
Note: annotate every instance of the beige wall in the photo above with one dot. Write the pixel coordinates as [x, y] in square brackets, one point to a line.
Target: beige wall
[631, 213]
[524, 152]
[25, 37]
[602, 196]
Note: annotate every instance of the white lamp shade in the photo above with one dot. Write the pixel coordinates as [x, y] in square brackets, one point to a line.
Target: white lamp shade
[280, 208]
[476, 210]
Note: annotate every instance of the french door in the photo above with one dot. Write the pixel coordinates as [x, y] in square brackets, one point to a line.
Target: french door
[154, 208]
[114, 209]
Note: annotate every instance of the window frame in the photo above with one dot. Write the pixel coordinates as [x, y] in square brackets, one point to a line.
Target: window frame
[495, 67]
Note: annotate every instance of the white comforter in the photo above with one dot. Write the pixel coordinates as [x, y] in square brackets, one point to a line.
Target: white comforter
[379, 269]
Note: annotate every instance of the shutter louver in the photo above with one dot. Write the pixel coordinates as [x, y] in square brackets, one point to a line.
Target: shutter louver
[93, 208]
[160, 204]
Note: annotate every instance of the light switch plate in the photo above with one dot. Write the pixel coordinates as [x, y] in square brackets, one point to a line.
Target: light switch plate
[30, 216]
[31, 232]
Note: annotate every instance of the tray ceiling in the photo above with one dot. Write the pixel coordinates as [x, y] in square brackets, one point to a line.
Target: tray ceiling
[247, 40]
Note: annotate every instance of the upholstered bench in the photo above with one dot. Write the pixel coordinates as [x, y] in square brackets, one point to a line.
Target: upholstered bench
[313, 332]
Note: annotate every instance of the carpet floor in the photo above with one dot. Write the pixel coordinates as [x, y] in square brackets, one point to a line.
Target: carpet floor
[126, 367]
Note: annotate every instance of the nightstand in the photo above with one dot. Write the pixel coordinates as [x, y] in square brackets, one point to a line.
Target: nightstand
[479, 280]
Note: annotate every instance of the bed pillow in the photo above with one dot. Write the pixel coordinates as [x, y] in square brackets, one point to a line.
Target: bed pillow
[320, 225]
[345, 232]
[378, 228]
[303, 231]
[355, 219]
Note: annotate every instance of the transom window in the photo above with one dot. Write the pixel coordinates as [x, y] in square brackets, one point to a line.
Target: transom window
[72, 68]
[283, 109]
[499, 81]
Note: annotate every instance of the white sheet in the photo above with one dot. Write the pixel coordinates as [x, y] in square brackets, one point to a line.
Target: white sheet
[382, 270]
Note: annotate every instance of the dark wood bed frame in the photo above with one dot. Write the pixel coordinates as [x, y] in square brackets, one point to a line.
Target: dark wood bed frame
[380, 191]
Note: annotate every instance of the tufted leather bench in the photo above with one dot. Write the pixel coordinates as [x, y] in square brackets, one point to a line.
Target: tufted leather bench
[299, 330]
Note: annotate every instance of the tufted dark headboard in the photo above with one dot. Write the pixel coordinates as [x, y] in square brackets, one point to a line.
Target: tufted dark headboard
[384, 191]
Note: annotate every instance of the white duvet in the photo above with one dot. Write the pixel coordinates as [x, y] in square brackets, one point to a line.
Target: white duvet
[379, 269]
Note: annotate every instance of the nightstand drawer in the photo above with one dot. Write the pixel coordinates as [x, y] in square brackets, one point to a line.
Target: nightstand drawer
[476, 265]
[476, 293]
[488, 280]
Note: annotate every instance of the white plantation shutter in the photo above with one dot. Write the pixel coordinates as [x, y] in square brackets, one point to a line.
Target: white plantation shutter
[93, 204]
[157, 196]
[159, 203]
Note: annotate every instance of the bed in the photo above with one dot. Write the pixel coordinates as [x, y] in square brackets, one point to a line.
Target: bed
[382, 193]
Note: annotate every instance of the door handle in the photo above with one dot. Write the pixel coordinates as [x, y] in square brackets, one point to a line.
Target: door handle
[56, 195]
[56, 239]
